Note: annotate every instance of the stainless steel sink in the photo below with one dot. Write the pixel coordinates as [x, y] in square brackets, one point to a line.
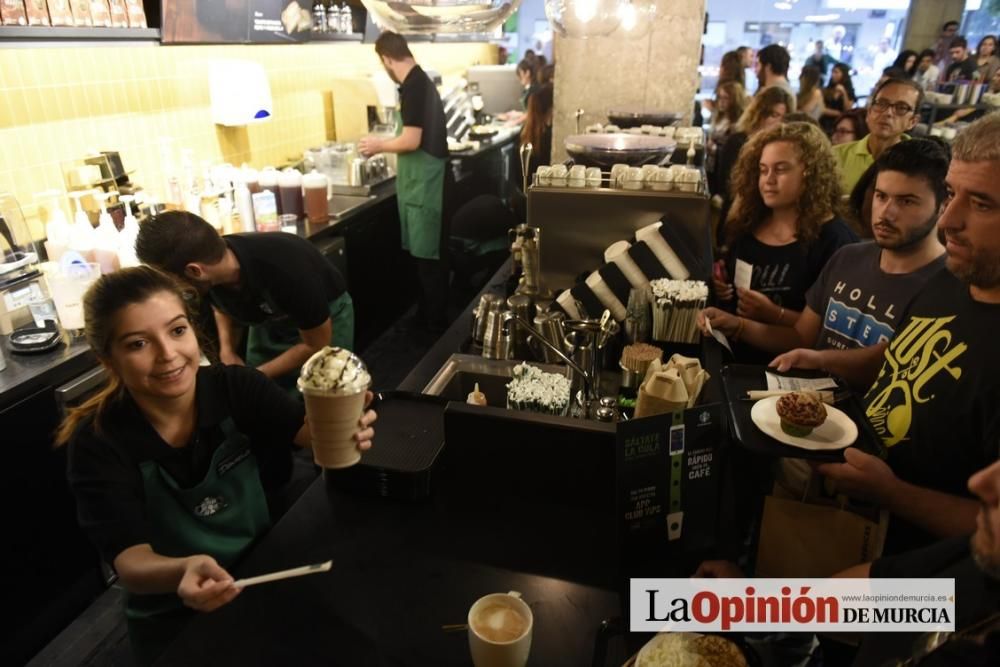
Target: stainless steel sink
[340, 205]
[461, 372]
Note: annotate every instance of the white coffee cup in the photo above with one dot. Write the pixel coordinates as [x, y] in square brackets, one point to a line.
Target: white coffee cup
[497, 639]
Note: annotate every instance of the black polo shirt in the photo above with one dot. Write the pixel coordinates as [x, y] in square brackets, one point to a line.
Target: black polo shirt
[420, 106]
[104, 473]
[281, 276]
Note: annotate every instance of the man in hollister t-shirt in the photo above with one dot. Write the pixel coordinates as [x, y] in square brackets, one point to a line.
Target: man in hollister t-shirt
[936, 385]
[861, 293]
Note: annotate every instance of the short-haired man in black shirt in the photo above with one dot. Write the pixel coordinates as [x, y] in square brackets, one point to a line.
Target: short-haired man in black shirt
[291, 297]
[422, 146]
[963, 66]
[935, 388]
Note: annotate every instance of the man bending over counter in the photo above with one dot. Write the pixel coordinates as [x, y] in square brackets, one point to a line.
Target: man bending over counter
[293, 299]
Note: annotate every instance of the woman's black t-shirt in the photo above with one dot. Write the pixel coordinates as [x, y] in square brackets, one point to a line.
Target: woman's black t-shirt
[104, 469]
[784, 273]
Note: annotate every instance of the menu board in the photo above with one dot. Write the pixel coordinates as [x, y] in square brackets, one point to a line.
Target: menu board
[236, 21]
[668, 481]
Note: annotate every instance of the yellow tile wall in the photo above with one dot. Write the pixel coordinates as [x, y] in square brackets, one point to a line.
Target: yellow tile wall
[58, 104]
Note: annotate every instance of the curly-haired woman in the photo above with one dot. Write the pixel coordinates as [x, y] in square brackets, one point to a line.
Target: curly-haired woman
[766, 109]
[784, 221]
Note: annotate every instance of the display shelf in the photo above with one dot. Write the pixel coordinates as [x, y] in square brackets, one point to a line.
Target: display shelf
[38, 33]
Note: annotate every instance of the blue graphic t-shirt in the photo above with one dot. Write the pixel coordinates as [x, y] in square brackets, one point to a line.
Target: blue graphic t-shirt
[858, 303]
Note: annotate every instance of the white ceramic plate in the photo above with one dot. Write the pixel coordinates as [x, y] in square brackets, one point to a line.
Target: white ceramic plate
[837, 432]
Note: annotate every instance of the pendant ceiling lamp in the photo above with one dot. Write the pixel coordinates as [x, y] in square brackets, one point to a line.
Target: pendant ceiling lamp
[584, 18]
[427, 17]
[637, 17]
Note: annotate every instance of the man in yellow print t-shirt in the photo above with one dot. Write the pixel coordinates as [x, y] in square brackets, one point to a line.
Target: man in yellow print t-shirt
[922, 350]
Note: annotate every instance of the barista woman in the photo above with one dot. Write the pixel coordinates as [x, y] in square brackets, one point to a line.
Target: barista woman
[173, 465]
[422, 146]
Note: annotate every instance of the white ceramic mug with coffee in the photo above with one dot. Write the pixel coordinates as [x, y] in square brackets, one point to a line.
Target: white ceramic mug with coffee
[500, 626]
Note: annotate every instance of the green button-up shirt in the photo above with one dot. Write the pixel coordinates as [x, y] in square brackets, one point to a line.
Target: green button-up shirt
[854, 158]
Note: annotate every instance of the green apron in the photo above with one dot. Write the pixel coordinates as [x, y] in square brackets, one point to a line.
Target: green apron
[220, 516]
[267, 340]
[420, 193]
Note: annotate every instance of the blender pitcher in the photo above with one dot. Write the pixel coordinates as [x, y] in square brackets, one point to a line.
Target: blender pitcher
[67, 285]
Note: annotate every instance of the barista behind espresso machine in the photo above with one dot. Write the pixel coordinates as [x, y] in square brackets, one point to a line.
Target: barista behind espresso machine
[422, 148]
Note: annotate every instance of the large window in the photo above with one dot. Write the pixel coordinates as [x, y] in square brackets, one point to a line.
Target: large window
[865, 34]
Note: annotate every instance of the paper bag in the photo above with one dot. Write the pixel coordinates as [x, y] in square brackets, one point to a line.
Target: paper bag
[662, 392]
[817, 537]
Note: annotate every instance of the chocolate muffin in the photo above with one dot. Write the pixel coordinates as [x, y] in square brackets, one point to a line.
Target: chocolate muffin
[800, 413]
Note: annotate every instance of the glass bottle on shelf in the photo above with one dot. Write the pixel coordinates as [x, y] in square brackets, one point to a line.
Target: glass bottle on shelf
[319, 17]
[333, 18]
[346, 19]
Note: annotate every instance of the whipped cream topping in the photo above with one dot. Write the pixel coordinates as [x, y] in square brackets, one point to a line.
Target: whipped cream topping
[336, 370]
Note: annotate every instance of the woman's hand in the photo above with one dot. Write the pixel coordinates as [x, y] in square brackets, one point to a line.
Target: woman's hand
[719, 319]
[755, 306]
[365, 435]
[205, 585]
[723, 291]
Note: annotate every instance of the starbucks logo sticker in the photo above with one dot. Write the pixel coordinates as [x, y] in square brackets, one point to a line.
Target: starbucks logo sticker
[210, 505]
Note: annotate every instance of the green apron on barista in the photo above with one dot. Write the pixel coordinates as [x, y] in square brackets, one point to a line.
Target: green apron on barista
[420, 192]
[220, 516]
[267, 340]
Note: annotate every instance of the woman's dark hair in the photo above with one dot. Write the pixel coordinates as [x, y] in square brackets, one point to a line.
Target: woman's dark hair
[845, 80]
[901, 59]
[527, 66]
[537, 116]
[738, 102]
[857, 118]
[546, 74]
[174, 239]
[808, 82]
[925, 53]
[731, 69]
[103, 300]
[979, 46]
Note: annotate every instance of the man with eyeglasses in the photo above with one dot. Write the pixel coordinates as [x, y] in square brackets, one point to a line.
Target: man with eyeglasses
[895, 109]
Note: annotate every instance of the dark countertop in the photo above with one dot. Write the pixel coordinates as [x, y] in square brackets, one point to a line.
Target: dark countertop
[400, 572]
[486, 145]
[26, 374]
[379, 194]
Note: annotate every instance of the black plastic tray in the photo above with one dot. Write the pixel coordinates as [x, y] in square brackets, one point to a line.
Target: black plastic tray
[409, 436]
[738, 379]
